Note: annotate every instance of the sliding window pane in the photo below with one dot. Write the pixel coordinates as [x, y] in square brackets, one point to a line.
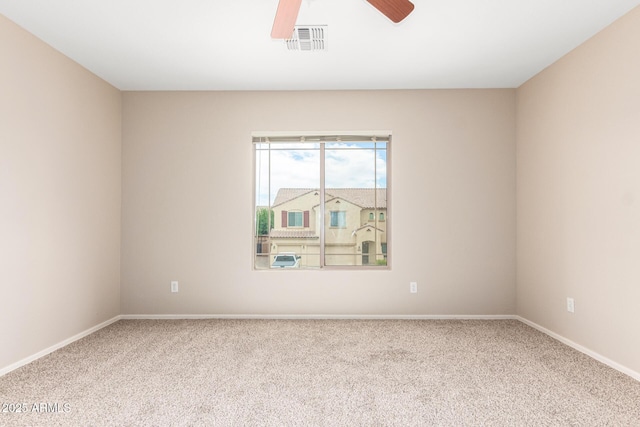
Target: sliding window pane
[293, 239]
[355, 196]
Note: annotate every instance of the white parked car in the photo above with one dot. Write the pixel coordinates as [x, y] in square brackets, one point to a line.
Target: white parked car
[286, 260]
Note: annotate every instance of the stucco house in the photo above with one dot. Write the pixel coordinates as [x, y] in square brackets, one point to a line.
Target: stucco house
[355, 225]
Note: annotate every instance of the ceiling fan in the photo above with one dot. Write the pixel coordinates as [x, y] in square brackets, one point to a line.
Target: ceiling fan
[287, 13]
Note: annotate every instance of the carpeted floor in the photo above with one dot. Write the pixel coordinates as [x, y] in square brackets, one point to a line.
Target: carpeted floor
[319, 373]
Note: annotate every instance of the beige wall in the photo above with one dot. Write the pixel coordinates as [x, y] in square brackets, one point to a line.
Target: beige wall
[579, 194]
[188, 205]
[59, 197]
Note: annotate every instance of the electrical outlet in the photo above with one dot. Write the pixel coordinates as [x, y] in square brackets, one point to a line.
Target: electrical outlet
[413, 287]
[570, 305]
[174, 286]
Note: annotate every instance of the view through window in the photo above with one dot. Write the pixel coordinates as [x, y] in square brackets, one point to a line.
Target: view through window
[321, 201]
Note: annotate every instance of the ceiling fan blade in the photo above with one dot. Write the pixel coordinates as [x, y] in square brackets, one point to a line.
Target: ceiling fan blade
[396, 10]
[285, 20]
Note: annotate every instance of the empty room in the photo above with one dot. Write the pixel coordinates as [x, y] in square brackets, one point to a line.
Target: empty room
[320, 212]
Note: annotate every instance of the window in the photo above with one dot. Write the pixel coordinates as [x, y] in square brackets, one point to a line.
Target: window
[295, 219]
[328, 195]
[339, 219]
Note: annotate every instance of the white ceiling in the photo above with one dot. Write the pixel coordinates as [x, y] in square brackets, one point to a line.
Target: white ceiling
[226, 45]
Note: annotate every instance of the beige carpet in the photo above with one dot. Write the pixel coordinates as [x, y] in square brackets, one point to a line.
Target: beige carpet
[320, 373]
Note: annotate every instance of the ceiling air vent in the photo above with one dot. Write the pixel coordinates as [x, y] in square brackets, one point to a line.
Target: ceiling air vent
[308, 38]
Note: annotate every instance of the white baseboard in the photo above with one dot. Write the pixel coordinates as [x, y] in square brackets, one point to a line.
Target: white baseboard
[57, 346]
[319, 316]
[597, 356]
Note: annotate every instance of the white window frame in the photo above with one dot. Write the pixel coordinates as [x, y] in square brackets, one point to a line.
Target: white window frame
[322, 138]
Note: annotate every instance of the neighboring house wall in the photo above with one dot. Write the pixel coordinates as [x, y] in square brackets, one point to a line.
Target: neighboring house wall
[369, 240]
[372, 217]
[340, 241]
[304, 203]
[337, 234]
[344, 242]
[376, 220]
[302, 240]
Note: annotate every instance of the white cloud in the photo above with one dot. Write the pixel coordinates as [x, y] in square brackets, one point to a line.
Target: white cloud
[296, 168]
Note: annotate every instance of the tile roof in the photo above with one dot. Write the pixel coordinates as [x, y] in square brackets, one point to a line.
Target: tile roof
[293, 234]
[286, 194]
[363, 197]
